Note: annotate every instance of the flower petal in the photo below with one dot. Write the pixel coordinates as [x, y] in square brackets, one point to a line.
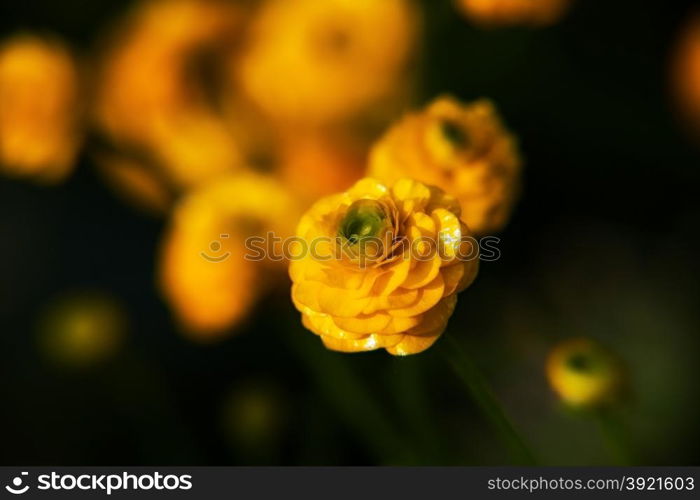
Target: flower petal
[435, 320]
[429, 296]
[364, 323]
[412, 345]
[423, 273]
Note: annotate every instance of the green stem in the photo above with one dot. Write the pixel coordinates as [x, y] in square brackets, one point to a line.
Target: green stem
[614, 436]
[409, 389]
[351, 400]
[477, 386]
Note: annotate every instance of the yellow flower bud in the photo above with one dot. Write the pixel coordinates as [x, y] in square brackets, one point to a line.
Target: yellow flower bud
[253, 417]
[583, 373]
[39, 112]
[82, 329]
[362, 284]
[463, 149]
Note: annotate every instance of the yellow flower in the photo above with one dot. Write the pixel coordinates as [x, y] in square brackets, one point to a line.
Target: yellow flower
[39, 114]
[315, 62]
[153, 92]
[463, 149]
[583, 373]
[380, 266]
[314, 165]
[254, 414]
[204, 272]
[82, 329]
[512, 12]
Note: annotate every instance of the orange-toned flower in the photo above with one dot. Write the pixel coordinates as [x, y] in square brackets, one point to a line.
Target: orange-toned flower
[40, 131]
[314, 165]
[313, 62]
[154, 89]
[514, 12]
[686, 72]
[463, 149]
[380, 266]
[204, 272]
[583, 373]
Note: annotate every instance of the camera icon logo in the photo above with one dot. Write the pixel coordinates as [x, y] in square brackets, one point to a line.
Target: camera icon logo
[215, 247]
[16, 487]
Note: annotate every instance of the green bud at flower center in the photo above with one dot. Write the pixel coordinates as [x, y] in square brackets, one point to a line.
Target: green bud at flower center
[581, 362]
[364, 219]
[454, 134]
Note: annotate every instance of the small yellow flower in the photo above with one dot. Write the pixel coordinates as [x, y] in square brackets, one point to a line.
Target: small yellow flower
[39, 113]
[367, 278]
[204, 272]
[463, 149]
[314, 61]
[583, 373]
[514, 12]
[82, 329]
[253, 417]
[153, 92]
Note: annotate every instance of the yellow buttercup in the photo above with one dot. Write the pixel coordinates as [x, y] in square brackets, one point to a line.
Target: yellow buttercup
[584, 373]
[381, 266]
[463, 149]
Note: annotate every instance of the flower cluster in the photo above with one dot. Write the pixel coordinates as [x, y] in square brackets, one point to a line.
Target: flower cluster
[188, 101]
[378, 294]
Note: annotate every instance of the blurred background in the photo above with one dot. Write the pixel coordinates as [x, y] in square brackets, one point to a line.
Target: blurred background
[114, 344]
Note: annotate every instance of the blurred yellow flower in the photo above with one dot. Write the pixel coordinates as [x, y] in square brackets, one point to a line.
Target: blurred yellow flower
[514, 12]
[155, 87]
[463, 149]
[81, 329]
[254, 414]
[314, 165]
[380, 266]
[583, 373]
[321, 61]
[203, 272]
[40, 117]
[686, 71]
